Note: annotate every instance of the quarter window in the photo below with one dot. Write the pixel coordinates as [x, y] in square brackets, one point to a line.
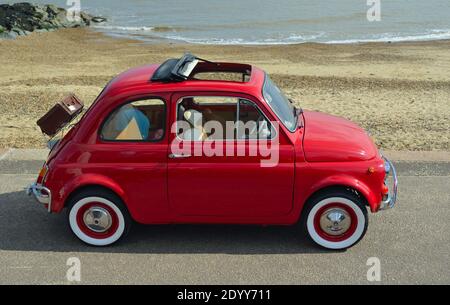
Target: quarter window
[252, 124]
[142, 120]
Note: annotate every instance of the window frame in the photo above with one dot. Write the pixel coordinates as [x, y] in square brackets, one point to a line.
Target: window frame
[237, 118]
[261, 113]
[133, 100]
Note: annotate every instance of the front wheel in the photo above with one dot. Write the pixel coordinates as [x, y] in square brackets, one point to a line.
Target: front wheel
[98, 218]
[337, 220]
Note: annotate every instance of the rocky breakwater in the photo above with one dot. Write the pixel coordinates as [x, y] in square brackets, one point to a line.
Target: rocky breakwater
[24, 18]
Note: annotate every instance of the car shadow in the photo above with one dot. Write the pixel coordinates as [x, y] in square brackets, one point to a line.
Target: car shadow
[26, 226]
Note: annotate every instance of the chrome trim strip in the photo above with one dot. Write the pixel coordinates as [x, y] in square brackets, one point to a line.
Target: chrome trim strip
[175, 156]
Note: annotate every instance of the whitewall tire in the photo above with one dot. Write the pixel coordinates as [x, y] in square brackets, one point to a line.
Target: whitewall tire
[336, 221]
[98, 219]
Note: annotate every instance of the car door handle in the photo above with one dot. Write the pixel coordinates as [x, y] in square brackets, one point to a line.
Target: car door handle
[176, 156]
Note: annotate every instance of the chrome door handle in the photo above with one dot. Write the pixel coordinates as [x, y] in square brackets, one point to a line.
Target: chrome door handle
[176, 156]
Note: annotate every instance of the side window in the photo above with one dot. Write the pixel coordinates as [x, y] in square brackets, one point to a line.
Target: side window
[220, 118]
[142, 120]
[207, 117]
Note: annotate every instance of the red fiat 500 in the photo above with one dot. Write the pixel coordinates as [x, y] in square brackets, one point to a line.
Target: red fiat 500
[194, 141]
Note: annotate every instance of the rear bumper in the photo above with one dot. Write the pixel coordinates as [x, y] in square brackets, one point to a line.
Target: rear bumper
[391, 199]
[42, 195]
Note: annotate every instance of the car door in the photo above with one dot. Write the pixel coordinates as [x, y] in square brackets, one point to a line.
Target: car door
[132, 151]
[237, 183]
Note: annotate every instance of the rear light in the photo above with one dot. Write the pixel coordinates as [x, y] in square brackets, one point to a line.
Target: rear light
[385, 190]
[42, 174]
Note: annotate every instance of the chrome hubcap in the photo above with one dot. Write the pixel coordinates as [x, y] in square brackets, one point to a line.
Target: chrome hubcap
[97, 219]
[335, 221]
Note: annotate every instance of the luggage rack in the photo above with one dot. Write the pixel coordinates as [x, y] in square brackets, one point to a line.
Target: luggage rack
[186, 67]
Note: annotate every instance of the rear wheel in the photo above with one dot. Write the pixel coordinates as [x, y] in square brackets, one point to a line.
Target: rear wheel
[337, 220]
[98, 217]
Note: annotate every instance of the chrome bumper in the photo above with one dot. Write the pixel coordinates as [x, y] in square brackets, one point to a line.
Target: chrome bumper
[42, 194]
[391, 199]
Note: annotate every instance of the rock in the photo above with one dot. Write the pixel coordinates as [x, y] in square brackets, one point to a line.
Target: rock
[55, 23]
[62, 17]
[46, 26]
[24, 18]
[2, 16]
[19, 32]
[40, 13]
[52, 9]
[86, 18]
[8, 35]
[24, 8]
[98, 19]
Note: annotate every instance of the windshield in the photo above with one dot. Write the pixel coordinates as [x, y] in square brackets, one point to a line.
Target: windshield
[280, 104]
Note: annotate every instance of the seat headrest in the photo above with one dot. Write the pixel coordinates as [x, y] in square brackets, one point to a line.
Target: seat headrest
[194, 117]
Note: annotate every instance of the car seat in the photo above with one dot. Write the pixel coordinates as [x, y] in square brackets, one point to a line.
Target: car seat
[194, 118]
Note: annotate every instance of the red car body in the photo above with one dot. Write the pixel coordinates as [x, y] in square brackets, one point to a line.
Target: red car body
[324, 153]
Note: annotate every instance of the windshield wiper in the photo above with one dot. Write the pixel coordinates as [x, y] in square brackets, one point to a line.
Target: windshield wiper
[297, 113]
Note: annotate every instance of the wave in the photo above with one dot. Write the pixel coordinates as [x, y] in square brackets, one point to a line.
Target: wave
[432, 35]
[168, 32]
[125, 28]
[293, 39]
[158, 29]
[319, 38]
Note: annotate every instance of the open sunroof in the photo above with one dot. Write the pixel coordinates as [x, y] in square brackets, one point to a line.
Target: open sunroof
[176, 70]
[173, 70]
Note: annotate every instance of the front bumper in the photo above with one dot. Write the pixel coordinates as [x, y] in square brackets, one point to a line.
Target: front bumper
[42, 194]
[391, 199]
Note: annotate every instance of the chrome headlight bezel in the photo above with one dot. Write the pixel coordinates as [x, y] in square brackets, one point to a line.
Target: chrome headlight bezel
[387, 167]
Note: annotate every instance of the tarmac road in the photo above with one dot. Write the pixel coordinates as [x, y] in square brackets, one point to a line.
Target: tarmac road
[412, 242]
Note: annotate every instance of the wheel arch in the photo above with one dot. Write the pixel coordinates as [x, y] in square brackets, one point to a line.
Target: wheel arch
[344, 185]
[338, 188]
[88, 181]
[91, 187]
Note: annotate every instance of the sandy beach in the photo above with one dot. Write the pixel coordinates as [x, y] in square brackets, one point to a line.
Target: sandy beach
[398, 91]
